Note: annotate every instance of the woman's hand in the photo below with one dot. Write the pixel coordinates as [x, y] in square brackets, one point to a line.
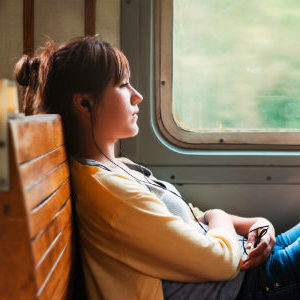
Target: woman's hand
[259, 254]
[243, 226]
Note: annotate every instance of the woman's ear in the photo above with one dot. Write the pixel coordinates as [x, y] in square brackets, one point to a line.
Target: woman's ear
[82, 104]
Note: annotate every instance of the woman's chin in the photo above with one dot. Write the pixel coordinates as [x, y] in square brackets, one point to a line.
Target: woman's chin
[134, 130]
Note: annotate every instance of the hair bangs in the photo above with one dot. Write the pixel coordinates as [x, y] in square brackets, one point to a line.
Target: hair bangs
[121, 67]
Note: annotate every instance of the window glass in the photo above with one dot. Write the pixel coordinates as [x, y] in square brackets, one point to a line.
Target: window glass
[236, 64]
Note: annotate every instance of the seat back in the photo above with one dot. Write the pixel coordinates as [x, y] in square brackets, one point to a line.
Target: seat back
[37, 233]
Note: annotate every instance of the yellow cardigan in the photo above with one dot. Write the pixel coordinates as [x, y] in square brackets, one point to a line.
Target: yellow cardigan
[130, 240]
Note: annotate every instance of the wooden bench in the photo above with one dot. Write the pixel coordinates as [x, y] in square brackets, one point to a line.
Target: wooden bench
[39, 257]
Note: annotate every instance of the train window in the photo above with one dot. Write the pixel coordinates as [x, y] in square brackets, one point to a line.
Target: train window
[228, 73]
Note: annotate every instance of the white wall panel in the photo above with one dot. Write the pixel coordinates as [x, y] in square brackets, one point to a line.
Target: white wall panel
[11, 35]
[108, 20]
[277, 202]
[61, 20]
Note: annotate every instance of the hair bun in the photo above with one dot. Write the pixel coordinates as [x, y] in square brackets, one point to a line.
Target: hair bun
[25, 68]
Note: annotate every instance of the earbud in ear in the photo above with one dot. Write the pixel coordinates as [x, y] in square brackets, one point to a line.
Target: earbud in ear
[87, 104]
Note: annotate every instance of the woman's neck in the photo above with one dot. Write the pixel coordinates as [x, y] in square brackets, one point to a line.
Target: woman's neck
[86, 148]
[83, 144]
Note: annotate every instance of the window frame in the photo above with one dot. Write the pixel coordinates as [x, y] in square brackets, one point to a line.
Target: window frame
[188, 139]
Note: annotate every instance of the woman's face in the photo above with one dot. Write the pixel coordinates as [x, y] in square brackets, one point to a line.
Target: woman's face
[116, 115]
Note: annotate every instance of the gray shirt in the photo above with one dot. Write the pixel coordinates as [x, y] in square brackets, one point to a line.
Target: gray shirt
[175, 290]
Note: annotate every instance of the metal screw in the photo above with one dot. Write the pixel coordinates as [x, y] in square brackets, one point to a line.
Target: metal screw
[163, 82]
[269, 178]
[172, 176]
[221, 141]
[6, 208]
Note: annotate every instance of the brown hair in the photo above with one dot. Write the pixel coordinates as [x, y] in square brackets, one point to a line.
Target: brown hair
[82, 65]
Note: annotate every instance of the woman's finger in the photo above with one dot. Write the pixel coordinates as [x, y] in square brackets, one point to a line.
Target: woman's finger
[252, 236]
[264, 243]
[257, 260]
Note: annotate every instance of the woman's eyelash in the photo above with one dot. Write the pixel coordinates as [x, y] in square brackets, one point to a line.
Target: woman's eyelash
[124, 84]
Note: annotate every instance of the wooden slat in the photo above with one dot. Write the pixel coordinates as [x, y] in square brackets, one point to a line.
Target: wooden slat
[38, 221]
[46, 185]
[41, 243]
[16, 271]
[57, 281]
[36, 135]
[42, 215]
[52, 254]
[63, 278]
[36, 214]
[32, 170]
[90, 17]
[62, 290]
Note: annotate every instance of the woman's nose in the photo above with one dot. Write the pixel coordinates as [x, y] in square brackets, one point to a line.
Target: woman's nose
[136, 96]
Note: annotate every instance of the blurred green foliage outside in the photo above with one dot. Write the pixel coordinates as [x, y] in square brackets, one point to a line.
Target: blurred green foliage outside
[236, 64]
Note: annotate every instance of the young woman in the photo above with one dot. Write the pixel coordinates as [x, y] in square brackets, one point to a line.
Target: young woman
[139, 238]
